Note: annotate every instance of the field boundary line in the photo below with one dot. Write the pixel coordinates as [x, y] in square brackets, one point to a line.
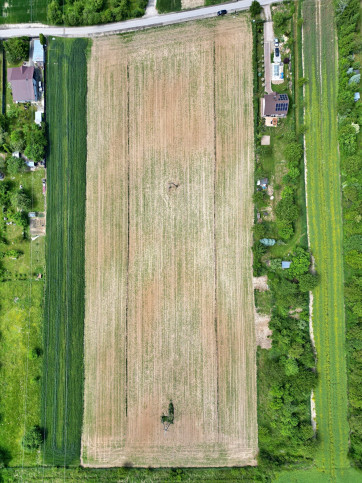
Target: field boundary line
[128, 243]
[215, 251]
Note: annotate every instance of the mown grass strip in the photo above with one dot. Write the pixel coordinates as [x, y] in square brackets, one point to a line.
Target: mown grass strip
[62, 402]
[325, 232]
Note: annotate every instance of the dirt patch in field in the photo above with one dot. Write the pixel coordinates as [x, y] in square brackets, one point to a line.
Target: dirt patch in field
[169, 288]
[186, 4]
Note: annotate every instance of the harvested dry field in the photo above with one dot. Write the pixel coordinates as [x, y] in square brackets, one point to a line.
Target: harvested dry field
[169, 294]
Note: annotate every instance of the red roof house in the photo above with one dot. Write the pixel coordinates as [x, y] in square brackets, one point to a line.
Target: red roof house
[23, 84]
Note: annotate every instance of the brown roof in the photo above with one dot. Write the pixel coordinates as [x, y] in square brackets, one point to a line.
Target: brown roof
[276, 104]
[22, 86]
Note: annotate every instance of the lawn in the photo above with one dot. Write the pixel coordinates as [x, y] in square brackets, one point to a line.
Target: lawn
[62, 399]
[21, 313]
[18, 11]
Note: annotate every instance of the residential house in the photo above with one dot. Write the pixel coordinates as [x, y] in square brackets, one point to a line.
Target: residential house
[275, 105]
[23, 84]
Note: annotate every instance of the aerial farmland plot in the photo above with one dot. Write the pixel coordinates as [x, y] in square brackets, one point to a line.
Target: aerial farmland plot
[169, 310]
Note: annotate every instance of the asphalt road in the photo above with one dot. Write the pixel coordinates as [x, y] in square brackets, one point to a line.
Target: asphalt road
[33, 30]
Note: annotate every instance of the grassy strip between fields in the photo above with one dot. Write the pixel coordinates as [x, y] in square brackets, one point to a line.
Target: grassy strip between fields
[62, 398]
[325, 232]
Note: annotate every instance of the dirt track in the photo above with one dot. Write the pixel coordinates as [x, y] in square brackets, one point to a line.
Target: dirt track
[169, 295]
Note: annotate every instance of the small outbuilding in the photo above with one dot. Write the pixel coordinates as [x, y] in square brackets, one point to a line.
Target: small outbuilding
[356, 96]
[38, 117]
[286, 264]
[263, 183]
[38, 53]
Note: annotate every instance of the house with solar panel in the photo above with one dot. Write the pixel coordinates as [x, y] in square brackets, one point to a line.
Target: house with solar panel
[274, 105]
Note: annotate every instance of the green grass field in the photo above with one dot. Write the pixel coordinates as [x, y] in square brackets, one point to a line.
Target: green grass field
[21, 314]
[16, 11]
[62, 402]
[325, 231]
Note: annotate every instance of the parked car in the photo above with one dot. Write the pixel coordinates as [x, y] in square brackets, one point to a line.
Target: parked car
[276, 42]
[222, 12]
[276, 51]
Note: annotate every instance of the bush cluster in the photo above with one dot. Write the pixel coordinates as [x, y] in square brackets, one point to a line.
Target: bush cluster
[287, 371]
[348, 16]
[92, 12]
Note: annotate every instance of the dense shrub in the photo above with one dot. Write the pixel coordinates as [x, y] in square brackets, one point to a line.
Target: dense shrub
[91, 12]
[17, 49]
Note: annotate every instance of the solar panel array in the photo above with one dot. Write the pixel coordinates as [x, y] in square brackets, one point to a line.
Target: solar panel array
[281, 106]
[283, 97]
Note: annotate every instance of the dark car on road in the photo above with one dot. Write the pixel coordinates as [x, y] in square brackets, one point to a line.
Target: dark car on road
[222, 12]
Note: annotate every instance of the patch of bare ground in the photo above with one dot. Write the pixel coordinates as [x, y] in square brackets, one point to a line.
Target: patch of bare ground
[261, 283]
[191, 3]
[262, 332]
[169, 289]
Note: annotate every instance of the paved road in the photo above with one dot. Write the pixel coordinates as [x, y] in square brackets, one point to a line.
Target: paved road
[33, 30]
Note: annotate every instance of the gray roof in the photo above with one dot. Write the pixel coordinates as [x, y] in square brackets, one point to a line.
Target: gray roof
[22, 85]
[286, 264]
[276, 104]
[38, 54]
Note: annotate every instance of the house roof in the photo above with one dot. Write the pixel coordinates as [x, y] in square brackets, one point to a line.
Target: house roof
[276, 104]
[286, 264]
[21, 80]
[38, 54]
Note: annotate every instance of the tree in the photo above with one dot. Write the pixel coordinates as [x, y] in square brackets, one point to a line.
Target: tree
[54, 13]
[42, 39]
[279, 18]
[20, 200]
[307, 282]
[4, 193]
[300, 263]
[348, 139]
[354, 259]
[15, 165]
[17, 49]
[293, 151]
[17, 140]
[33, 438]
[302, 81]
[35, 143]
[255, 8]
[286, 210]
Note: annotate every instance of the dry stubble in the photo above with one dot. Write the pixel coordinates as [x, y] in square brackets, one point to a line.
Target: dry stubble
[169, 297]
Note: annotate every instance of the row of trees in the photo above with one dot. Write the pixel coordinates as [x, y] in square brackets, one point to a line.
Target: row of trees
[91, 12]
[348, 16]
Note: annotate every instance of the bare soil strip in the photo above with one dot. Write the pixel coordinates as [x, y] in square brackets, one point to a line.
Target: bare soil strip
[169, 294]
